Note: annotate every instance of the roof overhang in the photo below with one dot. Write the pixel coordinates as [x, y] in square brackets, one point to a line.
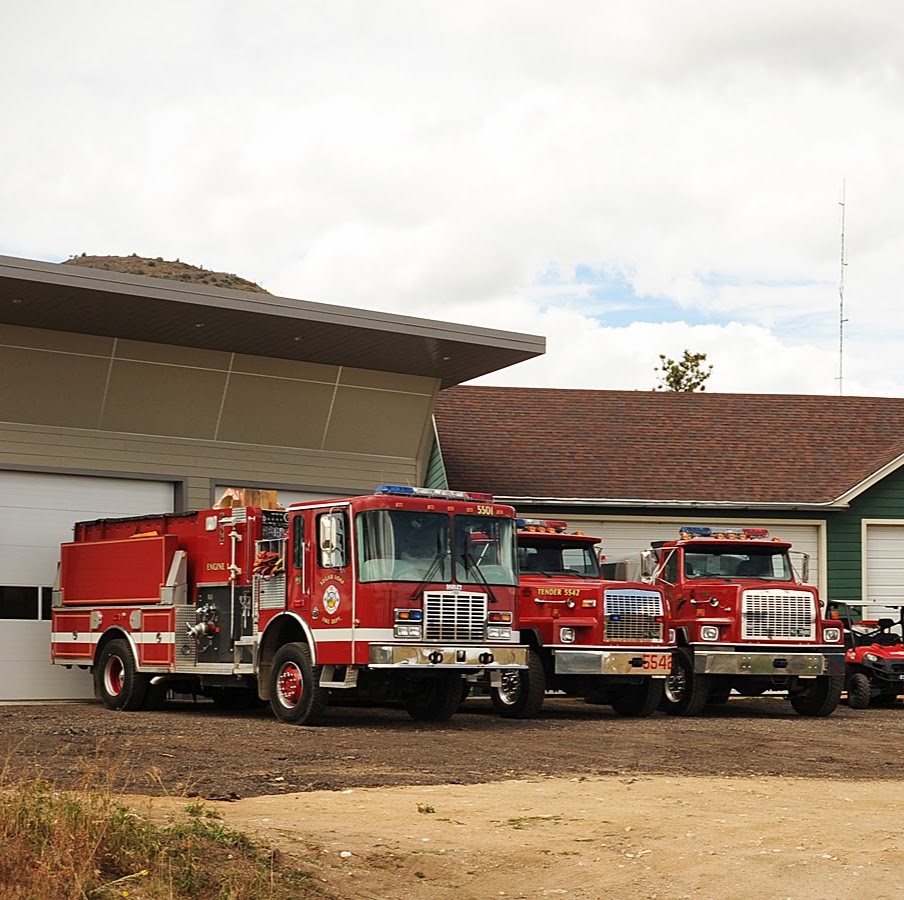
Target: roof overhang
[93, 301]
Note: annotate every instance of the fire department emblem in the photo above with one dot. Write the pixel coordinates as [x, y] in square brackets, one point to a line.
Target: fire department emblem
[331, 599]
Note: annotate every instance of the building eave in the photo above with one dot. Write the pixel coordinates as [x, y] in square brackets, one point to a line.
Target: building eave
[110, 304]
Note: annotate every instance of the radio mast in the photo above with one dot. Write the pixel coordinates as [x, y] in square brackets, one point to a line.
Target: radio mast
[841, 318]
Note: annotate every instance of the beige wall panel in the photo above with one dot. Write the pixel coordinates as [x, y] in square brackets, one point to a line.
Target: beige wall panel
[285, 368]
[200, 463]
[389, 381]
[144, 351]
[39, 338]
[275, 411]
[153, 399]
[381, 422]
[41, 387]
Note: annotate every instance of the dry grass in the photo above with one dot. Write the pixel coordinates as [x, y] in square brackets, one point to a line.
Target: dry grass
[88, 844]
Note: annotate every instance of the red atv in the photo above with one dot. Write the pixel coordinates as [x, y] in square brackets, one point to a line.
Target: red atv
[874, 661]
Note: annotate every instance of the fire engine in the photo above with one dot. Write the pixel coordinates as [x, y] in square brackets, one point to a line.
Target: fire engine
[607, 641]
[744, 621]
[390, 597]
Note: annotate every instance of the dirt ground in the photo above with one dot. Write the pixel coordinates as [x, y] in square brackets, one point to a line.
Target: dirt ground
[747, 800]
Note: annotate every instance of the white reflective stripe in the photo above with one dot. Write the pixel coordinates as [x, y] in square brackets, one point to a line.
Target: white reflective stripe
[81, 637]
[92, 637]
[154, 637]
[334, 635]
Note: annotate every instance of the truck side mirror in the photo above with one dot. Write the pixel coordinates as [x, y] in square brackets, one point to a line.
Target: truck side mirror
[647, 564]
[332, 540]
[805, 568]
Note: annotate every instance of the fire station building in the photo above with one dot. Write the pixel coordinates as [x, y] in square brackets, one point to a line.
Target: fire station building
[826, 473]
[126, 395]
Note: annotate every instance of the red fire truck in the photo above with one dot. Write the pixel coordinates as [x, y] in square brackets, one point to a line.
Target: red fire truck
[745, 621]
[607, 641]
[391, 597]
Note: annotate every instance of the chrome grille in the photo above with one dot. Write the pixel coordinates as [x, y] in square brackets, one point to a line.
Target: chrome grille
[454, 616]
[631, 615]
[778, 615]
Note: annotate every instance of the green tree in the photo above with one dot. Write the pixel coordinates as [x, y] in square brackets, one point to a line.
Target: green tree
[685, 374]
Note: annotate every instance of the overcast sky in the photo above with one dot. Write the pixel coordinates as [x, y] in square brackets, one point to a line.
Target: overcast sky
[627, 179]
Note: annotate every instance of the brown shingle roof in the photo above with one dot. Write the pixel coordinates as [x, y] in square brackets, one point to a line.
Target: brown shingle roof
[644, 446]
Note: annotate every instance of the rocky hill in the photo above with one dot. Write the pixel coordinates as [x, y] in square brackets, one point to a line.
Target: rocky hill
[162, 268]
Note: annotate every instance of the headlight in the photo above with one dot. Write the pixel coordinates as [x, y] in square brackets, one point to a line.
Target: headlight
[566, 635]
[870, 657]
[499, 633]
[709, 633]
[407, 631]
[831, 634]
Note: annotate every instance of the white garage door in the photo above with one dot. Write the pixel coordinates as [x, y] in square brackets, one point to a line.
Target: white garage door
[37, 512]
[883, 566]
[625, 539]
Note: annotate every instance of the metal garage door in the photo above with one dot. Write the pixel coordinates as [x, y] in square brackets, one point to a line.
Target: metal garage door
[883, 567]
[625, 539]
[37, 512]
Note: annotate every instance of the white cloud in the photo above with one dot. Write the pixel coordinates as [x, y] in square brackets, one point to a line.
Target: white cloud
[440, 159]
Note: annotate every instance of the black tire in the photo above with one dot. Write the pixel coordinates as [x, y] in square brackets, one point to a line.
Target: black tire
[858, 691]
[437, 700]
[296, 696]
[637, 701]
[117, 683]
[820, 698]
[522, 691]
[685, 692]
[719, 694]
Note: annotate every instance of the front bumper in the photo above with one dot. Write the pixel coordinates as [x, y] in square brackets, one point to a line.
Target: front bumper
[431, 656]
[613, 662]
[775, 662]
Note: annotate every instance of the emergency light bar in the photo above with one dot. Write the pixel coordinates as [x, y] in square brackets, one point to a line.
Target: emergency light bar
[549, 526]
[405, 490]
[732, 534]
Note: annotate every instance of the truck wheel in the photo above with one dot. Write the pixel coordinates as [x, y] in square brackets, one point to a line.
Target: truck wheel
[437, 701]
[685, 692]
[819, 698]
[296, 696]
[117, 684]
[637, 701]
[858, 691]
[521, 693]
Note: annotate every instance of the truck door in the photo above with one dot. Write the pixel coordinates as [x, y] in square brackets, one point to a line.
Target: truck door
[301, 554]
[332, 588]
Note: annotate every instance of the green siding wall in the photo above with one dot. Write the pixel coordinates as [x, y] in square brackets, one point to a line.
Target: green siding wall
[884, 500]
[436, 471]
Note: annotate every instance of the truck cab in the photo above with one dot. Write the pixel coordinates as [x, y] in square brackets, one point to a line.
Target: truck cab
[608, 641]
[745, 621]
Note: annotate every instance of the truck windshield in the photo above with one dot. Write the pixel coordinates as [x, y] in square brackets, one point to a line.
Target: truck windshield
[485, 550]
[738, 562]
[557, 558]
[403, 545]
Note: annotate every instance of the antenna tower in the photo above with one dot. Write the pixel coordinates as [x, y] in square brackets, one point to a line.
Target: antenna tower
[841, 318]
